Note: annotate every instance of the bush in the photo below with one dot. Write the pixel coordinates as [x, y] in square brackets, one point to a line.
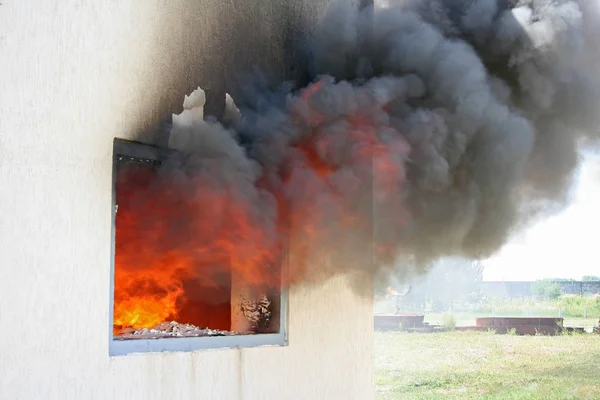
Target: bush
[546, 289]
[553, 291]
[448, 322]
[590, 278]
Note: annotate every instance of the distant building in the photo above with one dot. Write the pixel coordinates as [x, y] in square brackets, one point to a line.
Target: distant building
[524, 288]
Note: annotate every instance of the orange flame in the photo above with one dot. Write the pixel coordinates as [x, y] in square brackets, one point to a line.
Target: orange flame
[169, 236]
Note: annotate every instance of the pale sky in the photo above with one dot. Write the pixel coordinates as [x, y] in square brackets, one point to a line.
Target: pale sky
[566, 245]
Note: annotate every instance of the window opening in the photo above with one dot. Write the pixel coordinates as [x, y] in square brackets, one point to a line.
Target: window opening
[168, 292]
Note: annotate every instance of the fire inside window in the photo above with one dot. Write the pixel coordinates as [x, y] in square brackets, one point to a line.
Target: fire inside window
[170, 290]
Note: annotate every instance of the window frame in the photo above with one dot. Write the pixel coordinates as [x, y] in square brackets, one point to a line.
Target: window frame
[127, 148]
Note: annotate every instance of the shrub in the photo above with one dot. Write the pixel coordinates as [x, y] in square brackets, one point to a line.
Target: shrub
[590, 278]
[546, 289]
[553, 291]
[448, 322]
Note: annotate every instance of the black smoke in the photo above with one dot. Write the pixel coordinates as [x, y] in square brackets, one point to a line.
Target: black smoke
[444, 126]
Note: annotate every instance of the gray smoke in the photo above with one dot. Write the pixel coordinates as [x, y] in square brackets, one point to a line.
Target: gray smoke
[442, 125]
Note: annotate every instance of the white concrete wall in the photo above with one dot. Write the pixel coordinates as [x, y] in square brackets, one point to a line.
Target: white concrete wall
[73, 75]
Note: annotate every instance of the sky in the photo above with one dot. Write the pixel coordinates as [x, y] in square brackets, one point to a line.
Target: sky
[566, 245]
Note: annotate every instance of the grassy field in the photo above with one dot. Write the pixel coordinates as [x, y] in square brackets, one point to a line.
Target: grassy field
[481, 365]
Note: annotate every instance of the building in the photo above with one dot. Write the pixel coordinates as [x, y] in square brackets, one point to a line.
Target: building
[74, 76]
[525, 288]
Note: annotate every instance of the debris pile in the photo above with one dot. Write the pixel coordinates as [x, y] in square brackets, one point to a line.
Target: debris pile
[172, 329]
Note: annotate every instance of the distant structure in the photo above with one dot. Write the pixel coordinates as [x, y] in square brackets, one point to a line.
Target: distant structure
[525, 288]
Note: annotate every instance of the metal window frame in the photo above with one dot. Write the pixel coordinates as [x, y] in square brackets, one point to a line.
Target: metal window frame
[126, 148]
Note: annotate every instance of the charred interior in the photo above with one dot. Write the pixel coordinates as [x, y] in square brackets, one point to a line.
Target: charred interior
[169, 281]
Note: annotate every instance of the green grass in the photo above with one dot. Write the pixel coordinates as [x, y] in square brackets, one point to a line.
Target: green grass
[481, 365]
[575, 305]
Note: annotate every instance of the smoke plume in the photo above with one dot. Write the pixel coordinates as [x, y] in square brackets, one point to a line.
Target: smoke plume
[432, 128]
